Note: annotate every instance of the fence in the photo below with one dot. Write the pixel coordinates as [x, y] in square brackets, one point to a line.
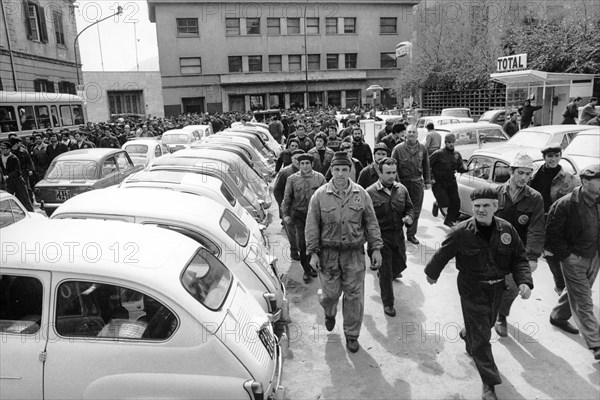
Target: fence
[478, 100]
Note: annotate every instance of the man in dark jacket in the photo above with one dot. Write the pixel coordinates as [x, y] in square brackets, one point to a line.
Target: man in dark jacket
[25, 162]
[573, 236]
[526, 112]
[571, 112]
[361, 150]
[11, 175]
[395, 137]
[370, 174]
[486, 249]
[81, 143]
[55, 148]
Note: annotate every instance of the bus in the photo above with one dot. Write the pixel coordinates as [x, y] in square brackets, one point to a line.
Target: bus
[25, 112]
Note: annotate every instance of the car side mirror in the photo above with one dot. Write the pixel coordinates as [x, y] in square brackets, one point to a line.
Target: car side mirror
[482, 138]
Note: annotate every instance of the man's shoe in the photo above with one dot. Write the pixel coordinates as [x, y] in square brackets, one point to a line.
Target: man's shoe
[314, 273]
[557, 291]
[596, 351]
[500, 326]
[390, 311]
[352, 345]
[329, 323]
[306, 277]
[564, 325]
[449, 224]
[488, 393]
[413, 240]
[295, 256]
[398, 275]
[435, 209]
[463, 335]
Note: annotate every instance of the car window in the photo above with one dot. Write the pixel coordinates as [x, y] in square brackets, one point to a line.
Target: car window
[466, 137]
[201, 239]
[157, 151]
[480, 167]
[501, 119]
[421, 123]
[109, 167]
[21, 300]
[584, 145]
[99, 310]
[123, 161]
[72, 170]
[17, 211]
[207, 280]
[493, 135]
[6, 215]
[501, 172]
[228, 195]
[136, 148]
[564, 142]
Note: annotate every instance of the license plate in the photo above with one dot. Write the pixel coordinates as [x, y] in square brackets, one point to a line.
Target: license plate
[63, 195]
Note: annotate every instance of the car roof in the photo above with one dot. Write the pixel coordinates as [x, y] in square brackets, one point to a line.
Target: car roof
[222, 154]
[438, 117]
[191, 127]
[187, 162]
[175, 177]
[87, 154]
[144, 202]
[141, 141]
[553, 129]
[466, 126]
[178, 132]
[507, 154]
[92, 248]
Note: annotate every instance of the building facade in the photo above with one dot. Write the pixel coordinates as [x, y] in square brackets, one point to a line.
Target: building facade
[36, 46]
[240, 56]
[112, 94]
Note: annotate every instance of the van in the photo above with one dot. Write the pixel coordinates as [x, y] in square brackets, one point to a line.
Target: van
[107, 310]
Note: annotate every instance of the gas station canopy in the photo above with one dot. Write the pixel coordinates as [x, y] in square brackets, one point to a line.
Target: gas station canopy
[540, 78]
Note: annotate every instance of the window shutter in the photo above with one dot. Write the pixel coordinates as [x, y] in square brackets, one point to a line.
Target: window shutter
[37, 86]
[50, 86]
[43, 29]
[27, 23]
[61, 87]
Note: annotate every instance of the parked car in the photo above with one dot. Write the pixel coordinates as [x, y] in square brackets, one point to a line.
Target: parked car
[79, 171]
[221, 170]
[494, 117]
[263, 129]
[472, 136]
[415, 114]
[201, 185]
[178, 139]
[255, 138]
[127, 311]
[266, 115]
[437, 120]
[142, 150]
[12, 211]
[463, 114]
[488, 168]
[584, 149]
[202, 130]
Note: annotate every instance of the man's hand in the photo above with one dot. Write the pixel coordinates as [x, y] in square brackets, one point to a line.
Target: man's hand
[427, 186]
[431, 281]
[376, 259]
[287, 220]
[314, 261]
[533, 265]
[30, 173]
[407, 220]
[524, 291]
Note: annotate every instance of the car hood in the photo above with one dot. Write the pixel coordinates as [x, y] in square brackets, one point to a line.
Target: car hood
[508, 152]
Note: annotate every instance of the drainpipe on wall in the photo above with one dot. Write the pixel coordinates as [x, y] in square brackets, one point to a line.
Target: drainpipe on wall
[12, 61]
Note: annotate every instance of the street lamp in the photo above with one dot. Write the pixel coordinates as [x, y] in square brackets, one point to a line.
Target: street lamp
[119, 12]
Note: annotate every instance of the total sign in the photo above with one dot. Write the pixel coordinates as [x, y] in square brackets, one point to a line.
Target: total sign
[512, 63]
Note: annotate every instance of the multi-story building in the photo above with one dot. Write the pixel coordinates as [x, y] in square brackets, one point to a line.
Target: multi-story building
[36, 46]
[237, 56]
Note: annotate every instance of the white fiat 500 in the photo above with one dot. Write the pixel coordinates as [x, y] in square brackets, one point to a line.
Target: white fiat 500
[109, 310]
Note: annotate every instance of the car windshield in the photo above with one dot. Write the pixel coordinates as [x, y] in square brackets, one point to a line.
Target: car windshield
[530, 139]
[457, 113]
[73, 170]
[136, 148]
[584, 145]
[487, 116]
[207, 280]
[234, 228]
[175, 138]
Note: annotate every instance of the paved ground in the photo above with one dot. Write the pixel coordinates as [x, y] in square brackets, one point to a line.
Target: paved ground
[417, 354]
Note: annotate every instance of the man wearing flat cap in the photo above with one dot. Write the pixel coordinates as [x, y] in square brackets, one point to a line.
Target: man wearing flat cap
[523, 207]
[370, 174]
[444, 163]
[11, 175]
[486, 248]
[553, 182]
[340, 220]
[299, 188]
[573, 236]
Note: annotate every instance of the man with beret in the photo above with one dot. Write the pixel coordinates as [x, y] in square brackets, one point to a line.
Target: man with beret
[370, 174]
[340, 220]
[553, 182]
[346, 147]
[304, 141]
[486, 248]
[322, 155]
[387, 129]
[444, 163]
[11, 175]
[299, 188]
[573, 236]
[523, 207]
[279, 192]
[393, 209]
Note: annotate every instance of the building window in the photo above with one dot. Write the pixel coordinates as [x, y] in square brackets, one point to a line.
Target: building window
[293, 26]
[334, 98]
[125, 102]
[273, 26]
[314, 62]
[187, 27]
[296, 100]
[274, 63]
[312, 26]
[235, 64]
[387, 25]
[257, 102]
[332, 61]
[35, 21]
[255, 63]
[232, 26]
[387, 60]
[331, 26]
[43, 85]
[350, 60]
[295, 62]
[352, 98]
[253, 26]
[349, 25]
[190, 65]
[66, 87]
[59, 30]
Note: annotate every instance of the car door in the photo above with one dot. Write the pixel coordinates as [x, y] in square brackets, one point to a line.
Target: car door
[487, 137]
[109, 173]
[125, 165]
[479, 171]
[466, 142]
[24, 309]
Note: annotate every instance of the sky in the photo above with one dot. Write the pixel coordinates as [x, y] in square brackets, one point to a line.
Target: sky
[116, 49]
